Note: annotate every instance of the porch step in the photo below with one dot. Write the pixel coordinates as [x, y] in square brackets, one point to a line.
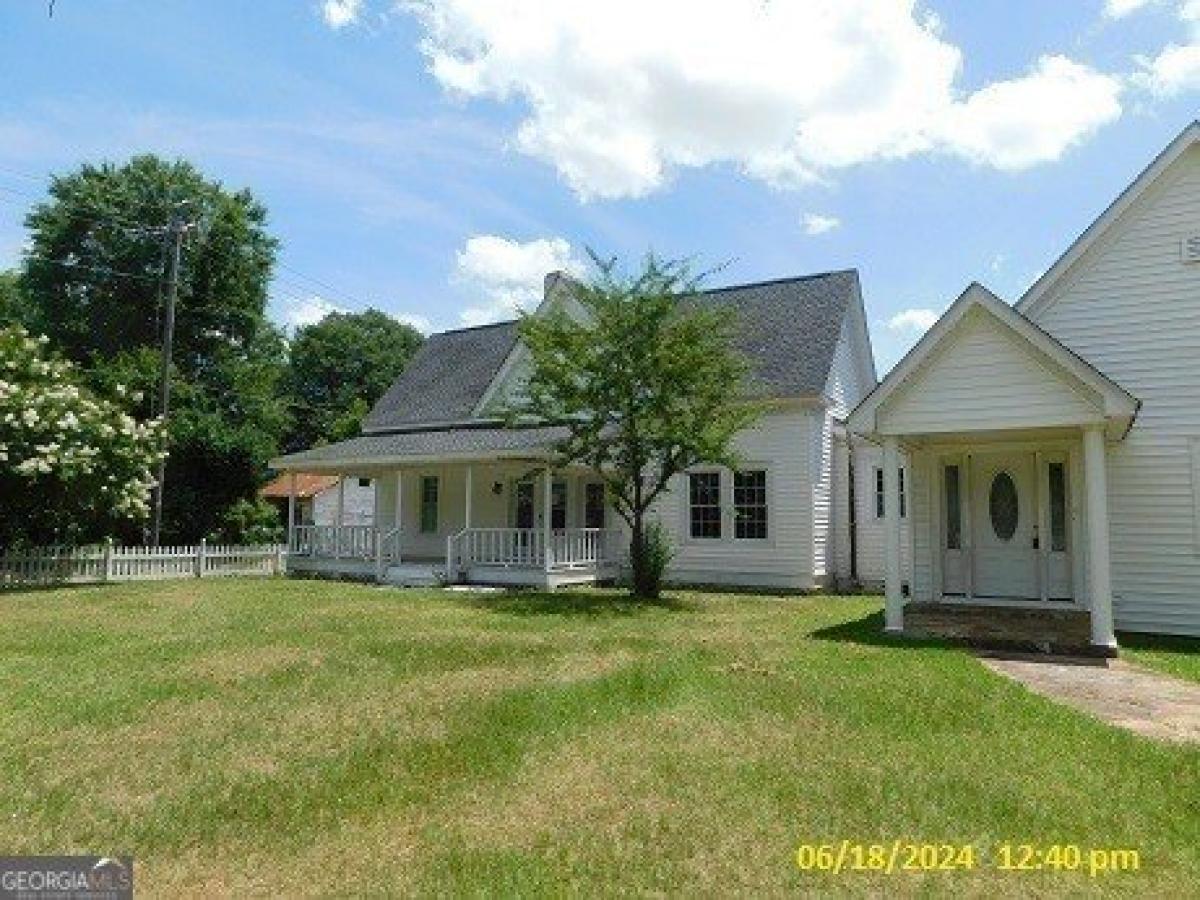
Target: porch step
[416, 575]
[1003, 627]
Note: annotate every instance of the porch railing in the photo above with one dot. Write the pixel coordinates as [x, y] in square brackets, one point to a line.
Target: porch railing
[335, 541]
[569, 548]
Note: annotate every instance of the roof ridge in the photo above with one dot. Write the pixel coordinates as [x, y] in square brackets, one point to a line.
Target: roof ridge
[812, 276]
[466, 328]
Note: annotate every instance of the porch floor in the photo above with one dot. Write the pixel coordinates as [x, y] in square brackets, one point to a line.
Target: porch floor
[1038, 628]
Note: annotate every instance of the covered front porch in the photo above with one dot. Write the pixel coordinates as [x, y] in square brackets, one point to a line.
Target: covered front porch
[474, 521]
[996, 444]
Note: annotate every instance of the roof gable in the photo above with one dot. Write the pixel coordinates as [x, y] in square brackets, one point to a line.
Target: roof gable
[1043, 291]
[445, 378]
[984, 348]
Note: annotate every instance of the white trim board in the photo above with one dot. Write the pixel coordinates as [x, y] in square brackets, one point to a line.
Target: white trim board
[1117, 404]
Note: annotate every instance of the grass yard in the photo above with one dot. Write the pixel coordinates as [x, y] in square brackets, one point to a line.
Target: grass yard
[290, 737]
[1178, 656]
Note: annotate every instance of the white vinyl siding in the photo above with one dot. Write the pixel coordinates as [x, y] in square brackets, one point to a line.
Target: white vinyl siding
[1131, 307]
[850, 380]
[985, 377]
[777, 445]
[358, 507]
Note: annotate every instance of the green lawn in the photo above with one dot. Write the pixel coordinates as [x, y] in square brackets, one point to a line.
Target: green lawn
[1179, 656]
[274, 737]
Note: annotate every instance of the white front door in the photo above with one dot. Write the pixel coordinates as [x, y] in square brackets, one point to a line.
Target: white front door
[1007, 528]
[1004, 525]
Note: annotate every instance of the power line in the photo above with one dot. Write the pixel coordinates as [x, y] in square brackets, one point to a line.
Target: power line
[103, 270]
[322, 284]
[101, 217]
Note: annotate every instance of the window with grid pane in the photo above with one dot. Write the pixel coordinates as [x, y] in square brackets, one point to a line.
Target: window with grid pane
[750, 504]
[704, 495]
[429, 504]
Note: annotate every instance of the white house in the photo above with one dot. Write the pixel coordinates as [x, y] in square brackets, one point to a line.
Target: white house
[460, 496]
[1028, 473]
[1054, 447]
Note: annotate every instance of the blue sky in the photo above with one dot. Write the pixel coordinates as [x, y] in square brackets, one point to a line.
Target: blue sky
[432, 159]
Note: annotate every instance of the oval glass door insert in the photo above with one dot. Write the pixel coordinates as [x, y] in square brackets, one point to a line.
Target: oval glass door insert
[1002, 506]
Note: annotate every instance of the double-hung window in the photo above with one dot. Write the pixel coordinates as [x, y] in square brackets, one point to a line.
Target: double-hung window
[704, 500]
[750, 505]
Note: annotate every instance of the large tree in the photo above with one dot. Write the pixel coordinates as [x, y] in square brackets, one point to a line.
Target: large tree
[647, 383]
[13, 308]
[73, 465]
[92, 277]
[339, 367]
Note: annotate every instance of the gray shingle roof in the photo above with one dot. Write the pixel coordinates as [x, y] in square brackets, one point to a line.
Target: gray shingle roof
[788, 328]
[445, 379]
[437, 443]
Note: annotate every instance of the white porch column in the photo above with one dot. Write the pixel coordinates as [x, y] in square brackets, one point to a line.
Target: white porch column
[291, 532]
[893, 613]
[340, 518]
[470, 489]
[1099, 563]
[547, 506]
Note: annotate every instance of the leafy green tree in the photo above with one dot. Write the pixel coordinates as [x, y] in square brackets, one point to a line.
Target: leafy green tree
[339, 367]
[93, 279]
[249, 522]
[73, 465]
[13, 308]
[646, 382]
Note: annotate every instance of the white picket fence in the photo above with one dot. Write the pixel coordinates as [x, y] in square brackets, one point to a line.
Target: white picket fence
[101, 563]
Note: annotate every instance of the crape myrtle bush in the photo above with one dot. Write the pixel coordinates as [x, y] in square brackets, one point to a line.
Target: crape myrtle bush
[74, 466]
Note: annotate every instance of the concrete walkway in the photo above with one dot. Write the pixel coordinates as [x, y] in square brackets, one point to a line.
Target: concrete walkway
[1154, 705]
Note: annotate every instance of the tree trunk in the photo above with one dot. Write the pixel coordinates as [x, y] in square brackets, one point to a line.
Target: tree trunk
[645, 584]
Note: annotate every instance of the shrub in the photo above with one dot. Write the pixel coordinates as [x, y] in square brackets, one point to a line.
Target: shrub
[249, 522]
[657, 554]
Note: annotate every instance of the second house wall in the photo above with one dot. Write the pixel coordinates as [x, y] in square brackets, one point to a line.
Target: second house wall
[358, 508]
[782, 444]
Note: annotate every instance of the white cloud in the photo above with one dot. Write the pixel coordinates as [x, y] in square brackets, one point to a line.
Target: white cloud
[1118, 9]
[508, 275]
[340, 13]
[1174, 70]
[998, 262]
[420, 323]
[913, 320]
[815, 223]
[785, 91]
[1035, 118]
[307, 311]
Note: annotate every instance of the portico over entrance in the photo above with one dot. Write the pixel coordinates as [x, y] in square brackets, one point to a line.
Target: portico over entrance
[1000, 439]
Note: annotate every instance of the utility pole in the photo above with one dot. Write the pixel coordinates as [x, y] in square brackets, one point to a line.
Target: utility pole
[176, 230]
